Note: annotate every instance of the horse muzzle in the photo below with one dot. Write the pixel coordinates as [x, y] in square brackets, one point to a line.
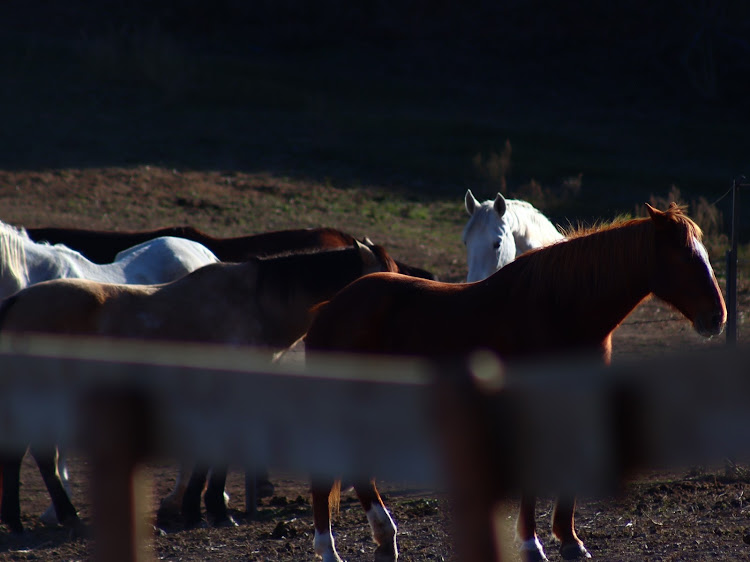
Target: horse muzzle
[709, 326]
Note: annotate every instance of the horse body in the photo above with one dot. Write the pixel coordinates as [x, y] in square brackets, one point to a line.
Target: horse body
[24, 262]
[264, 302]
[568, 297]
[500, 230]
[101, 246]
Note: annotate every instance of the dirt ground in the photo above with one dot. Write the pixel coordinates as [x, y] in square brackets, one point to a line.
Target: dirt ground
[696, 513]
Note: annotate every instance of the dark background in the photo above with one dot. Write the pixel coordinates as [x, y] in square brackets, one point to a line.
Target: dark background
[413, 95]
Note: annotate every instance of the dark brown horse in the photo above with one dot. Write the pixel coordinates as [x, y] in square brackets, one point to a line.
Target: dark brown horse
[568, 297]
[102, 246]
[263, 302]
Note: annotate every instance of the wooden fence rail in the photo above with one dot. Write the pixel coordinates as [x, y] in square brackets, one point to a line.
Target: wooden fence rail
[464, 424]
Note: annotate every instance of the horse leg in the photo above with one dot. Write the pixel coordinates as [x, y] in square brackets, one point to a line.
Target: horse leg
[531, 548]
[49, 517]
[191, 500]
[563, 527]
[171, 505]
[325, 495]
[65, 512]
[10, 510]
[215, 499]
[381, 523]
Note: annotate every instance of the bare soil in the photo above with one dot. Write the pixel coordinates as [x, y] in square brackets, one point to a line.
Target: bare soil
[689, 514]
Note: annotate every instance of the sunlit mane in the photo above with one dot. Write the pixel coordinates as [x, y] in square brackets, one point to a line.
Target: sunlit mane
[13, 254]
[598, 245]
[675, 212]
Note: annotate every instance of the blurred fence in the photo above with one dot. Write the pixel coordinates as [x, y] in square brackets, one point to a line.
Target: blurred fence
[466, 425]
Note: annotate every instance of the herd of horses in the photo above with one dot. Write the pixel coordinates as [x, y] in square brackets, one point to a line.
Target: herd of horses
[531, 291]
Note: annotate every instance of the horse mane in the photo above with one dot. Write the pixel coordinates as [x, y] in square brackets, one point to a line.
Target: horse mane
[524, 214]
[13, 253]
[675, 214]
[528, 216]
[317, 268]
[556, 267]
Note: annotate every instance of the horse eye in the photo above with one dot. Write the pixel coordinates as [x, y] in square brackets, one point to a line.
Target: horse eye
[496, 245]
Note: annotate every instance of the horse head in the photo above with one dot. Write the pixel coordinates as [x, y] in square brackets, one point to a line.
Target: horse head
[683, 275]
[374, 257]
[487, 236]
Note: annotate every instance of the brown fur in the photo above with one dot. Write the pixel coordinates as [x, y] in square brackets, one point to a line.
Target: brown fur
[263, 302]
[565, 297]
[101, 246]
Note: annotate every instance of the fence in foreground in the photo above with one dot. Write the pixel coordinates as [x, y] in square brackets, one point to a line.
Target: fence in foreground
[465, 424]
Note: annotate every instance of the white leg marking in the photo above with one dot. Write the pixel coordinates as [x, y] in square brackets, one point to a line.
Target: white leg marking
[49, 517]
[173, 502]
[325, 547]
[383, 528]
[533, 545]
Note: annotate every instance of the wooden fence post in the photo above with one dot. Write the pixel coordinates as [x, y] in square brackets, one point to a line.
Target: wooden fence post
[117, 428]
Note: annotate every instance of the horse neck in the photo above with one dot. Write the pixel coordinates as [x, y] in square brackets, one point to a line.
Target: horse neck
[60, 262]
[291, 285]
[317, 274]
[592, 282]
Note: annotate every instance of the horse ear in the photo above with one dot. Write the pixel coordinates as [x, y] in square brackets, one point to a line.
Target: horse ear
[366, 240]
[659, 217]
[369, 259]
[499, 205]
[470, 203]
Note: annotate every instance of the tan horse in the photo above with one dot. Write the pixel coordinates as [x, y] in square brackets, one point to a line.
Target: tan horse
[567, 297]
[263, 303]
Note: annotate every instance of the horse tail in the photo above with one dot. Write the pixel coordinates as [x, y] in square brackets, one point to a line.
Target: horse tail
[334, 498]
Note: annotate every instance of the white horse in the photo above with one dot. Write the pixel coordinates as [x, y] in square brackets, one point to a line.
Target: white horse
[24, 262]
[501, 230]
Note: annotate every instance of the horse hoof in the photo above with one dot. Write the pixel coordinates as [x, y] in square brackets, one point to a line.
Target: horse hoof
[227, 521]
[195, 524]
[574, 551]
[14, 525]
[532, 551]
[168, 512]
[386, 554]
[49, 517]
[79, 531]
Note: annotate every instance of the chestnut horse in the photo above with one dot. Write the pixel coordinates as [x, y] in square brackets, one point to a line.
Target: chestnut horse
[264, 302]
[567, 297]
[103, 245]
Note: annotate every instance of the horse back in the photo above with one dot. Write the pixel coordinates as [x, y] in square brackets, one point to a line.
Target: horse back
[380, 313]
[101, 246]
[59, 306]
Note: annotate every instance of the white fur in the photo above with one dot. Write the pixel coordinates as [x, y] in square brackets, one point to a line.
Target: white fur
[493, 240]
[533, 545]
[701, 251]
[325, 546]
[24, 262]
[383, 527]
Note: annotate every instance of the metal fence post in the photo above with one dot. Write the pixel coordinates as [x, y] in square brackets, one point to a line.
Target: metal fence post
[732, 309]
